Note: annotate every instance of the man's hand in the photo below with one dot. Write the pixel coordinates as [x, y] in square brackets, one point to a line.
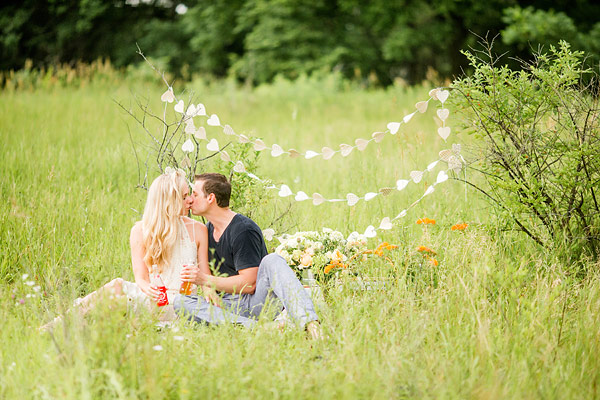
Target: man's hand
[211, 296]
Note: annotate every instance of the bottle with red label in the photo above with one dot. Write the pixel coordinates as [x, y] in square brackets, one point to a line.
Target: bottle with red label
[157, 282]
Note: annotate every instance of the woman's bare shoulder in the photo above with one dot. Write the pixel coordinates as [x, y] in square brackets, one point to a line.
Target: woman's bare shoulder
[196, 225]
[136, 229]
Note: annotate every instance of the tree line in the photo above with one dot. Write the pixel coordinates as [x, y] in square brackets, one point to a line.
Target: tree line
[377, 41]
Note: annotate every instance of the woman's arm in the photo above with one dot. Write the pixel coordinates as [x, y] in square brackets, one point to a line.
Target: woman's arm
[140, 270]
[202, 247]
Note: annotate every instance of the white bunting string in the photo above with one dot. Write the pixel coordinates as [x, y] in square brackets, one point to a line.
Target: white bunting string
[326, 152]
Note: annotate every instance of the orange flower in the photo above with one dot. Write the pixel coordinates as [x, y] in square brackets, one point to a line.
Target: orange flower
[459, 227]
[334, 264]
[423, 249]
[426, 221]
[384, 246]
[328, 268]
[433, 261]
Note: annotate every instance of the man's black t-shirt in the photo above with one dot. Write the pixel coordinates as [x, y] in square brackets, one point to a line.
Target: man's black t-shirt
[240, 246]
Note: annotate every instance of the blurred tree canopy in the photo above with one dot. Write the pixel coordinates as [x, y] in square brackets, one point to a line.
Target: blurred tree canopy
[254, 40]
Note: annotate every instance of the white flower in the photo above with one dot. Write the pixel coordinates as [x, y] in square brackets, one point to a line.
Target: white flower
[25, 276]
[30, 283]
[128, 336]
[296, 254]
[327, 230]
[178, 338]
[36, 288]
[158, 347]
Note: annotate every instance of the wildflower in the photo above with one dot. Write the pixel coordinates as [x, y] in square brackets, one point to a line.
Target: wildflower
[158, 347]
[25, 276]
[423, 249]
[328, 268]
[337, 256]
[459, 227]
[306, 260]
[426, 221]
[433, 261]
[30, 283]
[178, 338]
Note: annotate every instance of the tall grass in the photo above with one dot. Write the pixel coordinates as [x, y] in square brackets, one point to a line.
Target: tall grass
[497, 318]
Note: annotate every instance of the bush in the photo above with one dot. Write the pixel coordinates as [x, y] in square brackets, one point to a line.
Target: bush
[540, 140]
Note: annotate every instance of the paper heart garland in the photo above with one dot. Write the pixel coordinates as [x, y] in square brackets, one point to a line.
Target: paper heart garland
[179, 106]
[433, 93]
[345, 149]
[443, 114]
[327, 153]
[352, 199]
[243, 138]
[301, 196]
[408, 117]
[454, 164]
[442, 95]
[228, 130]
[189, 127]
[402, 214]
[186, 162]
[200, 110]
[432, 165]
[416, 176]
[393, 127]
[361, 144]
[191, 110]
[225, 156]
[444, 132]
[370, 232]
[294, 153]
[378, 136]
[386, 191]
[421, 106]
[370, 196]
[445, 155]
[213, 120]
[168, 96]
[385, 223]
[259, 145]
[239, 167]
[213, 145]
[276, 150]
[200, 133]
[401, 184]
[188, 146]
[317, 199]
[441, 177]
[268, 234]
[310, 154]
[429, 190]
[285, 191]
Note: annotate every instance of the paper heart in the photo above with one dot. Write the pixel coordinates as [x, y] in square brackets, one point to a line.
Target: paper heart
[200, 110]
[225, 156]
[310, 154]
[189, 126]
[259, 145]
[352, 199]
[432, 165]
[285, 191]
[401, 184]
[408, 117]
[186, 162]
[251, 175]
[385, 223]
[386, 191]
[294, 153]
[317, 199]
[200, 133]
[188, 146]
[239, 167]
[443, 95]
[243, 138]
[213, 120]
[179, 106]
[444, 132]
[445, 155]
[443, 113]
[456, 147]
[301, 196]
[228, 130]
[416, 176]
[276, 150]
[402, 214]
[378, 136]
[370, 196]
[393, 127]
[213, 145]
[370, 232]
[361, 144]
[441, 177]
[421, 106]
[346, 149]
[429, 190]
[327, 153]
[168, 96]
[454, 164]
[268, 234]
[191, 110]
[433, 93]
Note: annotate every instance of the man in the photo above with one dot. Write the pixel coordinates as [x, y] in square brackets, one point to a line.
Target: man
[247, 276]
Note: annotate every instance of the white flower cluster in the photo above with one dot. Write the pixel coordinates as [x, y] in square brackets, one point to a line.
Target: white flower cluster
[312, 249]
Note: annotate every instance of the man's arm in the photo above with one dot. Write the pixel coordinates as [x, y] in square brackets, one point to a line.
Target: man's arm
[244, 283]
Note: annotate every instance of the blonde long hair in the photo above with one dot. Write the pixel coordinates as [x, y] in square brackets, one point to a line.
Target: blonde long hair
[160, 225]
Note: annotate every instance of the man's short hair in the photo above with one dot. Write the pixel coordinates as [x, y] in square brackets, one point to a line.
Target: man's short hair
[218, 184]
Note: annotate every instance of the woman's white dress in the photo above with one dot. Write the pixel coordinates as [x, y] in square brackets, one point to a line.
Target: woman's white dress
[184, 252]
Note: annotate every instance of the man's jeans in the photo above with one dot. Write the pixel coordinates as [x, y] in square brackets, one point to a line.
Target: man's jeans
[275, 283]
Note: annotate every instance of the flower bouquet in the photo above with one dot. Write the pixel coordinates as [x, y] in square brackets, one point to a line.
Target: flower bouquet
[318, 254]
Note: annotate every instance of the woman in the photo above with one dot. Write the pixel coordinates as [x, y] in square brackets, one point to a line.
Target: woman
[165, 237]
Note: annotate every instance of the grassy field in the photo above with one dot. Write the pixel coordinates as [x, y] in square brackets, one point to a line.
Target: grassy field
[498, 318]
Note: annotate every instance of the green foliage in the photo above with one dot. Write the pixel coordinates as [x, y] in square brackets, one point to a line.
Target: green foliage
[539, 126]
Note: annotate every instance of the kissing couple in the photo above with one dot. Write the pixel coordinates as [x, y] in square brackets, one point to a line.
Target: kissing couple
[246, 280]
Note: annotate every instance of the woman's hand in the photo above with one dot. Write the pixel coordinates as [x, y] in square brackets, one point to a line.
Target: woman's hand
[149, 290]
[191, 273]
